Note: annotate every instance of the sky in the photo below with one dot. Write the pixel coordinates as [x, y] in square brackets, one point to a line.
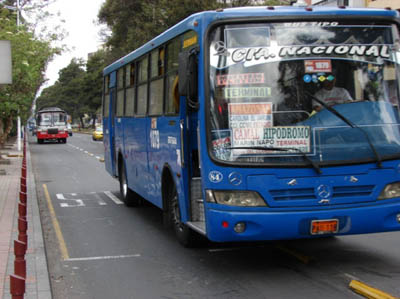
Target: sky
[83, 34]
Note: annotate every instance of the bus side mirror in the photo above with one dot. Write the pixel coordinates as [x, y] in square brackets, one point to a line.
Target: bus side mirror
[188, 76]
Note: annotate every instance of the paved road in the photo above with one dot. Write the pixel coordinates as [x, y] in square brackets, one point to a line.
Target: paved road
[98, 248]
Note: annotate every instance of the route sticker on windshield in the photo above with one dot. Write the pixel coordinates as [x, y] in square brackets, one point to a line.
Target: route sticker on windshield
[317, 66]
[243, 92]
[240, 79]
[251, 125]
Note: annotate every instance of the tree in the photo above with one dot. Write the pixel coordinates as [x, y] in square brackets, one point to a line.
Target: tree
[30, 56]
[93, 83]
[67, 92]
[78, 89]
[130, 31]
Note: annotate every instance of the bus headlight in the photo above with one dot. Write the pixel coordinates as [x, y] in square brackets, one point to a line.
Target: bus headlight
[390, 191]
[235, 198]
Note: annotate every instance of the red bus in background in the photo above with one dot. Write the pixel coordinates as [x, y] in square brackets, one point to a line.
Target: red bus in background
[51, 125]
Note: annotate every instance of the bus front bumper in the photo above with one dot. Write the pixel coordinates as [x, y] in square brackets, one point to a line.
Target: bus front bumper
[258, 226]
[51, 136]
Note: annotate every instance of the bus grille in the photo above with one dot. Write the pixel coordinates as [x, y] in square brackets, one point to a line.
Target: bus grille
[309, 193]
[52, 131]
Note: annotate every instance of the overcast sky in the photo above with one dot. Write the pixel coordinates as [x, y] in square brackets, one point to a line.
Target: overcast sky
[83, 34]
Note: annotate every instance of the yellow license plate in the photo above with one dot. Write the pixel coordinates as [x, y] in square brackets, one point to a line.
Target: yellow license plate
[319, 227]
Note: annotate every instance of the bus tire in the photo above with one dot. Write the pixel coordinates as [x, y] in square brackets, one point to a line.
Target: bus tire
[130, 198]
[185, 235]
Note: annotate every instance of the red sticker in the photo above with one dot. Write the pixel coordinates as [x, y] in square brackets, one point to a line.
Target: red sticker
[317, 66]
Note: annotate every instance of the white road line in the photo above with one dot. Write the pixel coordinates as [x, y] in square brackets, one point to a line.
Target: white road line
[79, 203]
[113, 197]
[60, 196]
[100, 201]
[96, 258]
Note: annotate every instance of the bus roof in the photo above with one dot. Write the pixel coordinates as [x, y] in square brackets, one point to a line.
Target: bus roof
[50, 109]
[257, 12]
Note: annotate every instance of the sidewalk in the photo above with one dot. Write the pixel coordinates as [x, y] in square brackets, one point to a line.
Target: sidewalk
[37, 276]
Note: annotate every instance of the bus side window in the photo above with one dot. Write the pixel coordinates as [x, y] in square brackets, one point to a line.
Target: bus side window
[106, 97]
[172, 98]
[156, 83]
[141, 108]
[120, 92]
[130, 90]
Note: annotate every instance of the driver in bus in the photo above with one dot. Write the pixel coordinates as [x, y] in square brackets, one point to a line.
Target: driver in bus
[331, 94]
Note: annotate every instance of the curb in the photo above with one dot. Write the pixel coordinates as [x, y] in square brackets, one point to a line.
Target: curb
[368, 292]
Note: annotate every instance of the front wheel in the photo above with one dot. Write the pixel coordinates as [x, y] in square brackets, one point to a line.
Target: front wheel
[130, 198]
[185, 235]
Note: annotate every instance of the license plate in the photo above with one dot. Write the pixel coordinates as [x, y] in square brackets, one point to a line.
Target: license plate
[320, 227]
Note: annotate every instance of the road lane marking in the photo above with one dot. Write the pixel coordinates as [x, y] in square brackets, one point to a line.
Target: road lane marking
[79, 203]
[96, 258]
[100, 201]
[368, 291]
[56, 225]
[113, 197]
[60, 196]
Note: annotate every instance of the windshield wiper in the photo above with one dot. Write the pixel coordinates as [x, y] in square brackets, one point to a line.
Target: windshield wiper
[286, 149]
[351, 124]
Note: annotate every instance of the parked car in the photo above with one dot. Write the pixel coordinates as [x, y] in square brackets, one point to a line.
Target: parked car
[98, 134]
[69, 128]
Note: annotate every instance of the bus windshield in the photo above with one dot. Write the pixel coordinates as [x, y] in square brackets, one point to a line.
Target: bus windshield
[52, 119]
[293, 93]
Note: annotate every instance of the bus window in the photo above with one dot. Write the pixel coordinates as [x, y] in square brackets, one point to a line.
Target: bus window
[142, 88]
[106, 98]
[157, 83]
[130, 90]
[120, 93]
[172, 98]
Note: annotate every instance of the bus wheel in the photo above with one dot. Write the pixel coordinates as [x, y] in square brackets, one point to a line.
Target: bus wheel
[130, 198]
[186, 236]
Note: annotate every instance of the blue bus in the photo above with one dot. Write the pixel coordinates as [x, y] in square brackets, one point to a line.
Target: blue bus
[261, 123]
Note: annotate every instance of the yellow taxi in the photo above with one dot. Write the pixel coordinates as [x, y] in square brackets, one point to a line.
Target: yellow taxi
[98, 134]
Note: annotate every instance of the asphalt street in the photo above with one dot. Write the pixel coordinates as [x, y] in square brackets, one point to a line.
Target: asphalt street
[99, 248]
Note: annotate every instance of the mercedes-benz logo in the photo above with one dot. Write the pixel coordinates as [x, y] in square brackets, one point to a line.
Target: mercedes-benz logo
[323, 191]
[221, 49]
[235, 178]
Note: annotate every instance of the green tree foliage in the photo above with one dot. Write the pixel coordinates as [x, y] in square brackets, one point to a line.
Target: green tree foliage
[66, 93]
[135, 22]
[30, 56]
[132, 24]
[78, 89]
